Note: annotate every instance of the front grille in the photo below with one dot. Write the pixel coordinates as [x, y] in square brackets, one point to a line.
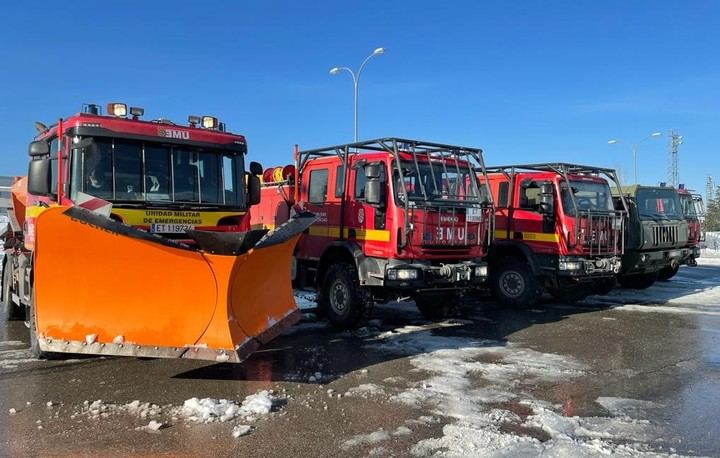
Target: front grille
[665, 235]
[600, 233]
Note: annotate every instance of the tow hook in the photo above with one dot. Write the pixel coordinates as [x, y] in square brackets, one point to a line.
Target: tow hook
[446, 271]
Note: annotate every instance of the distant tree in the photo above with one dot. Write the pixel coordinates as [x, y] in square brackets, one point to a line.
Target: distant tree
[712, 214]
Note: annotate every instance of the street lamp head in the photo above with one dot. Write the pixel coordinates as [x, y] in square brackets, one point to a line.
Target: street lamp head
[379, 51]
[335, 70]
[612, 141]
[656, 134]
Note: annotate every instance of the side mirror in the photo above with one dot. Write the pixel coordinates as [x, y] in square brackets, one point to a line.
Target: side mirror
[373, 171]
[256, 168]
[253, 184]
[38, 148]
[39, 173]
[547, 205]
[373, 192]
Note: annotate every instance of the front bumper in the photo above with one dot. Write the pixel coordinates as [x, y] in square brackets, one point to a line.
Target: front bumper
[635, 262]
[416, 277]
[599, 266]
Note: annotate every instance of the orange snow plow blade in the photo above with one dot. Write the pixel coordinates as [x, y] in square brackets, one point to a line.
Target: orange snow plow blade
[102, 287]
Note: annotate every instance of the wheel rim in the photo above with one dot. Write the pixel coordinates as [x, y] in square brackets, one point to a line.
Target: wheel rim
[512, 283]
[339, 298]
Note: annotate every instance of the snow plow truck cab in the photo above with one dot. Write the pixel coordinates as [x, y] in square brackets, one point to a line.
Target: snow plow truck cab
[131, 237]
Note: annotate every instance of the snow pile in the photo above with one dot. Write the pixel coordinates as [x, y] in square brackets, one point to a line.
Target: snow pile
[499, 417]
[241, 430]
[365, 390]
[305, 300]
[208, 410]
[366, 439]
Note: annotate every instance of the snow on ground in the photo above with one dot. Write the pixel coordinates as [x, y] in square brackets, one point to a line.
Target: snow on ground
[305, 300]
[479, 426]
[694, 290]
[11, 359]
[194, 410]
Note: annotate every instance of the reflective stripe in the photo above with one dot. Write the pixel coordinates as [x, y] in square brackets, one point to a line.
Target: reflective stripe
[372, 235]
[529, 236]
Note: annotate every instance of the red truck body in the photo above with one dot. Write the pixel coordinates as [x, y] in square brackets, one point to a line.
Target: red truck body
[556, 229]
[693, 210]
[408, 218]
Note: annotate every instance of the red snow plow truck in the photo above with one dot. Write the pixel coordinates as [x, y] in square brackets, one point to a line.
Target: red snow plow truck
[131, 237]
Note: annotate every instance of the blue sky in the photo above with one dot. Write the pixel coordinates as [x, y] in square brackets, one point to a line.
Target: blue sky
[527, 81]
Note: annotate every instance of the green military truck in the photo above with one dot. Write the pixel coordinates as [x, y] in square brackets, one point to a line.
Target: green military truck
[656, 234]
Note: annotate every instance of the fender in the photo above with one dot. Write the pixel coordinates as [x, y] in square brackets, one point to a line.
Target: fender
[501, 245]
[370, 270]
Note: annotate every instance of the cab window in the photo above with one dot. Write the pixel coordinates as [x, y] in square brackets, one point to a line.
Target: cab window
[529, 196]
[339, 181]
[317, 191]
[503, 189]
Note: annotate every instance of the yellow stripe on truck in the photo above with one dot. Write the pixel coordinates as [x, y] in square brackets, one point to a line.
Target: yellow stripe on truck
[371, 235]
[529, 236]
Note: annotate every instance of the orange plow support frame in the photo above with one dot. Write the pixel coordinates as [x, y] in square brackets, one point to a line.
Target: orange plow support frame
[102, 287]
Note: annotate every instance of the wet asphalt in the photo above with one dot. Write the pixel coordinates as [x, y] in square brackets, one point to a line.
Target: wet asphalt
[669, 358]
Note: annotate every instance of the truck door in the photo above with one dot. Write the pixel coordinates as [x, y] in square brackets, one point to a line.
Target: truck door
[315, 188]
[367, 222]
[528, 220]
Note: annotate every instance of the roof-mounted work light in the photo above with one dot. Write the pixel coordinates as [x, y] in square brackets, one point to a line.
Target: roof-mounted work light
[209, 122]
[117, 109]
[194, 120]
[136, 112]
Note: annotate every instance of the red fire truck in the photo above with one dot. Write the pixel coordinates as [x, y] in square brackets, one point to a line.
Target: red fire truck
[693, 209]
[397, 218]
[556, 230]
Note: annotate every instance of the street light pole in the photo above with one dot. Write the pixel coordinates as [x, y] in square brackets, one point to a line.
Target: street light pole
[356, 84]
[635, 147]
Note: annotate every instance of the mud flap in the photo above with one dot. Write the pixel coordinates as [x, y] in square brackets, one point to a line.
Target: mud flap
[102, 287]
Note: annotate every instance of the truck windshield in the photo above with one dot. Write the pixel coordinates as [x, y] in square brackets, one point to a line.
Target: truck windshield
[437, 183]
[589, 195]
[687, 204]
[128, 171]
[656, 203]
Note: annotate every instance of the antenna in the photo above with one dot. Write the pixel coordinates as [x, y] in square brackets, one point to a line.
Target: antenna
[674, 141]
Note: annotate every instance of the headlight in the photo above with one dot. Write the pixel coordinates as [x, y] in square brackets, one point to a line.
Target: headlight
[570, 265]
[481, 271]
[675, 254]
[402, 274]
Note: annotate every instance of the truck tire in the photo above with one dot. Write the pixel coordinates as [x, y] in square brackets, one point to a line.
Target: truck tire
[436, 307]
[668, 272]
[11, 311]
[514, 285]
[342, 300]
[638, 281]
